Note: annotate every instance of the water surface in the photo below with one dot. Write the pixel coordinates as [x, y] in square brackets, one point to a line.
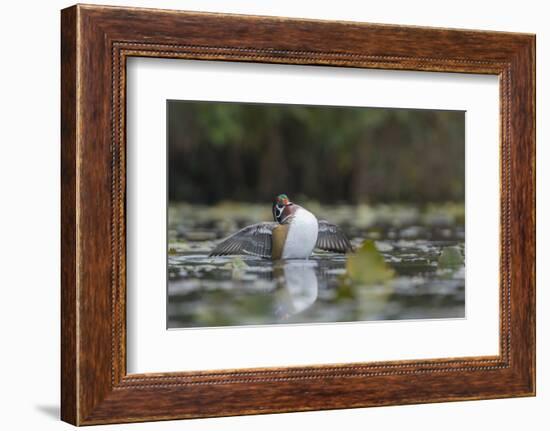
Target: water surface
[423, 247]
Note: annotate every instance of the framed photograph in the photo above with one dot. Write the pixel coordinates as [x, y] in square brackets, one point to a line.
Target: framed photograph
[264, 215]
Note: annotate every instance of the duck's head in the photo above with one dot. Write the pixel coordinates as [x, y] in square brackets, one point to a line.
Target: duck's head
[281, 202]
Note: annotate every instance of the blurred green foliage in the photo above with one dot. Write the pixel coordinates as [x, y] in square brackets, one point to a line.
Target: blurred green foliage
[251, 152]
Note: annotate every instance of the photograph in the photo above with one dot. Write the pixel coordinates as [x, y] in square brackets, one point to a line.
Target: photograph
[307, 214]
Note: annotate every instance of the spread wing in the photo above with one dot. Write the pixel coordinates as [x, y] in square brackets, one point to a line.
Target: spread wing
[331, 238]
[254, 239]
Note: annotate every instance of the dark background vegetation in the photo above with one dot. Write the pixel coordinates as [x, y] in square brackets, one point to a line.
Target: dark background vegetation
[252, 152]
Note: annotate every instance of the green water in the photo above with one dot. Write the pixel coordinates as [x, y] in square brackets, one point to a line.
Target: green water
[423, 248]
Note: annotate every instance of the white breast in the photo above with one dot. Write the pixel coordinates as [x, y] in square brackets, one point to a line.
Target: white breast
[302, 235]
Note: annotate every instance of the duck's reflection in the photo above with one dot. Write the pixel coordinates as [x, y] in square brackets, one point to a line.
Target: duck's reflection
[297, 287]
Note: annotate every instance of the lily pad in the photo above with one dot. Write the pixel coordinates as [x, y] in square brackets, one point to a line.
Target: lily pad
[236, 263]
[450, 258]
[367, 265]
[238, 268]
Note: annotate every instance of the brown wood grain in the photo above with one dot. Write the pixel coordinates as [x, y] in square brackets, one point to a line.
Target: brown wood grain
[68, 217]
[96, 41]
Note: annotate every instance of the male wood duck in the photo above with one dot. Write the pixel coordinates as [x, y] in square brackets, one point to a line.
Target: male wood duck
[294, 234]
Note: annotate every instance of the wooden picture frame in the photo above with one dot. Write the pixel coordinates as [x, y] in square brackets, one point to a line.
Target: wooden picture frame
[95, 43]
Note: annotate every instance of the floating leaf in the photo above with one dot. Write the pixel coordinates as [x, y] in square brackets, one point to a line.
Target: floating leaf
[367, 265]
[450, 258]
[238, 263]
[238, 268]
[175, 247]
